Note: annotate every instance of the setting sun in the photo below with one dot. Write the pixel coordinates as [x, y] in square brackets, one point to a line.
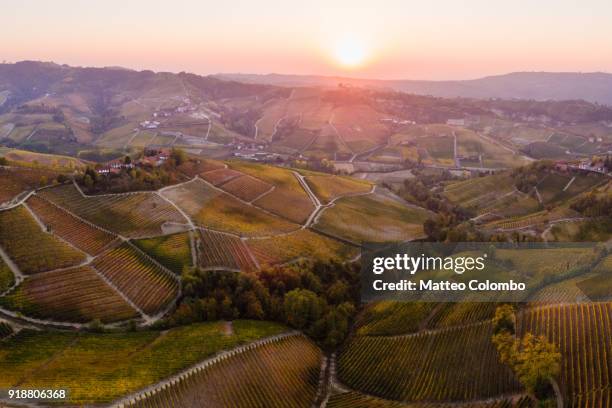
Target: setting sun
[350, 53]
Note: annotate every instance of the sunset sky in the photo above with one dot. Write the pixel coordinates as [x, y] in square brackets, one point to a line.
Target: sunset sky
[385, 39]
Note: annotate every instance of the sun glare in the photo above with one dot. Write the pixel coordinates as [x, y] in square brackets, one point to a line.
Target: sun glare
[350, 53]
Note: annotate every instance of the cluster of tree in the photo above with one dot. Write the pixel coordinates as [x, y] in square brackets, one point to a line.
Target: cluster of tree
[40, 109]
[240, 120]
[534, 360]
[136, 178]
[450, 222]
[288, 125]
[563, 112]
[608, 162]
[3, 161]
[420, 191]
[599, 229]
[321, 165]
[594, 205]
[527, 177]
[318, 298]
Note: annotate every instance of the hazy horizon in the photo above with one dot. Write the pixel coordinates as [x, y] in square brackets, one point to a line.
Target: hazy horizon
[391, 40]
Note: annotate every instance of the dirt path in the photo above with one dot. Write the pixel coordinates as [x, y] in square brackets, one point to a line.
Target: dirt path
[325, 387]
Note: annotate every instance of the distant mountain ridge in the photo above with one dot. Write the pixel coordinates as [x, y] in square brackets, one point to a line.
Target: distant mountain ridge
[592, 87]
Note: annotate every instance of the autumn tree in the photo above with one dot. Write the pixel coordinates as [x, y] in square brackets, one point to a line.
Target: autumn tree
[534, 360]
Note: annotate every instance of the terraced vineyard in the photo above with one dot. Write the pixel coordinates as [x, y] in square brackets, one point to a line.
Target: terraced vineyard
[70, 295]
[455, 314]
[224, 251]
[192, 196]
[172, 251]
[459, 364]
[355, 399]
[218, 177]
[300, 244]
[372, 218]
[133, 215]
[142, 281]
[296, 207]
[598, 287]
[32, 249]
[80, 234]
[582, 333]
[192, 168]
[247, 188]
[494, 194]
[14, 181]
[282, 373]
[393, 318]
[538, 218]
[98, 368]
[288, 200]
[225, 213]
[328, 188]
